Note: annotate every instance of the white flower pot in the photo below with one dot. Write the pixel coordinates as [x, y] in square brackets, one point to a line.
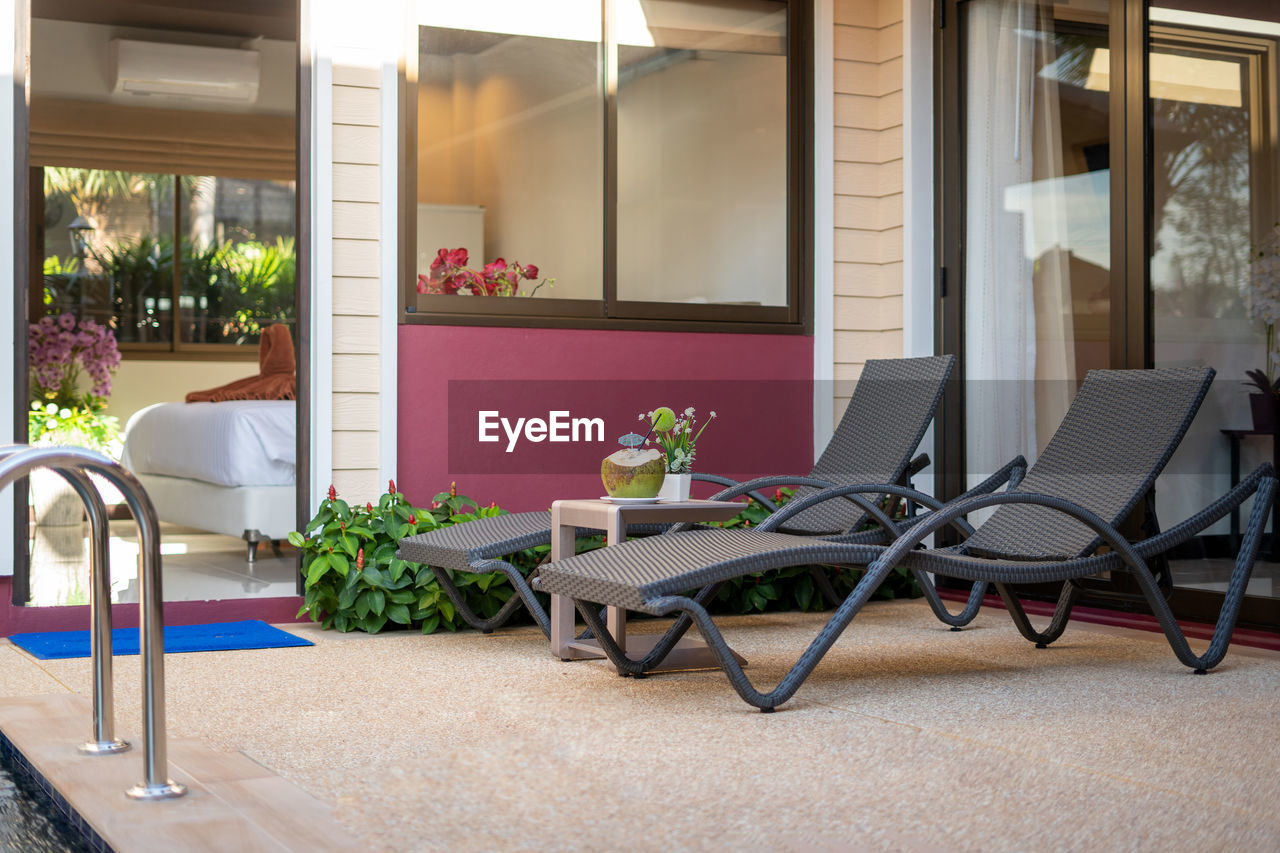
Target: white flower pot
[675, 487]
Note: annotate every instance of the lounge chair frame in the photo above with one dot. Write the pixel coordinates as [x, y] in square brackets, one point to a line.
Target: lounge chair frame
[1125, 556]
[464, 548]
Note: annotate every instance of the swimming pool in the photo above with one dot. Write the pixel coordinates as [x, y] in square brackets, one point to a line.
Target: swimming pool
[30, 822]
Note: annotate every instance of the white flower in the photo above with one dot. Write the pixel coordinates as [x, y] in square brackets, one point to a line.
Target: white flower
[640, 416]
[713, 414]
[689, 411]
[51, 409]
[64, 413]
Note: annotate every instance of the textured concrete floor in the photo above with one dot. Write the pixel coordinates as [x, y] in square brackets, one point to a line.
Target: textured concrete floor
[908, 737]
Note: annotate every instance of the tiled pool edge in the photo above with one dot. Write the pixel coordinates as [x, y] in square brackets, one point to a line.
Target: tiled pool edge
[15, 756]
[233, 802]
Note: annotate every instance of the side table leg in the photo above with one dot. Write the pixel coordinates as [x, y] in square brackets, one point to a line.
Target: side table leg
[563, 544]
[616, 618]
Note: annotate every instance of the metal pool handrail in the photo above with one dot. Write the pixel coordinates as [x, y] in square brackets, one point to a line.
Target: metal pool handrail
[75, 464]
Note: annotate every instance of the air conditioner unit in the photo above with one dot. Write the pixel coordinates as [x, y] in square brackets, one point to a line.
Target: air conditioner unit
[185, 71]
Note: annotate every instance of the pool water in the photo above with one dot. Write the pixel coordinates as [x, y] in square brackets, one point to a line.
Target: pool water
[29, 821]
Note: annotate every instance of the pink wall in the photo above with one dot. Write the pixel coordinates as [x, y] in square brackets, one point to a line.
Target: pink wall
[760, 386]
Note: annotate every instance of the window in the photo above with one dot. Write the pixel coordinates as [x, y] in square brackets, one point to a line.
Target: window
[108, 253]
[646, 161]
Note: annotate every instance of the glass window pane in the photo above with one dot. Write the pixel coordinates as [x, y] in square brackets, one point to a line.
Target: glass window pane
[238, 260]
[108, 250]
[510, 141]
[702, 152]
[1037, 274]
[1213, 210]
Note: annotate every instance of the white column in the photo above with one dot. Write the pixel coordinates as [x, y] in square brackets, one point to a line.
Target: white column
[7, 277]
[824, 352]
[389, 175]
[321, 178]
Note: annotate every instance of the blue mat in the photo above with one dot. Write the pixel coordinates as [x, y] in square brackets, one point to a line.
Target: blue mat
[215, 637]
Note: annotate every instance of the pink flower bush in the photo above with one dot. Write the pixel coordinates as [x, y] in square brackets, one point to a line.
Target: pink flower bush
[59, 349]
[450, 274]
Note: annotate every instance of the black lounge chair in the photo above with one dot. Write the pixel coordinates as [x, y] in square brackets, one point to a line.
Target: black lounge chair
[1118, 434]
[891, 407]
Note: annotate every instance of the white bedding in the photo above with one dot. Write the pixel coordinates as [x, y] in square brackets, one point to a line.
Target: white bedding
[236, 443]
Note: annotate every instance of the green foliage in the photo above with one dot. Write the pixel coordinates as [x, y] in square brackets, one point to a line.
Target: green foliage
[793, 588]
[83, 425]
[354, 581]
[244, 286]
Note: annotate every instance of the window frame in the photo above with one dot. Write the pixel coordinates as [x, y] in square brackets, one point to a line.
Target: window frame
[609, 312]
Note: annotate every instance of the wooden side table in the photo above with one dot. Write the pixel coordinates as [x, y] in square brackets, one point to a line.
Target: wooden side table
[613, 518]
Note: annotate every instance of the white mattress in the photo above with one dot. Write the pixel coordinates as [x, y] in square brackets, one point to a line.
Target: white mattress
[236, 443]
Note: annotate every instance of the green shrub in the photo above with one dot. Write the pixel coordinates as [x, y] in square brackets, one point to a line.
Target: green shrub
[354, 581]
[793, 587]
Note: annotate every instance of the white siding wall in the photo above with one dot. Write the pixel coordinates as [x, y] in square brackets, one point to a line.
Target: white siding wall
[867, 309]
[363, 181]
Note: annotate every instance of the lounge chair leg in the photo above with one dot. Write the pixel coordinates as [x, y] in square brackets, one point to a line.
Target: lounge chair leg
[790, 683]
[824, 586]
[958, 620]
[1058, 624]
[1234, 597]
[524, 595]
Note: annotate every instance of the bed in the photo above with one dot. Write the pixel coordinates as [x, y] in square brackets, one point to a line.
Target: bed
[226, 467]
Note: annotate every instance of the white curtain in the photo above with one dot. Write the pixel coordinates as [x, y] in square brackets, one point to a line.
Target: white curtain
[1019, 352]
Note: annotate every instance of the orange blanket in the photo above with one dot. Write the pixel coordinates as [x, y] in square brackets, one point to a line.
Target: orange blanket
[277, 378]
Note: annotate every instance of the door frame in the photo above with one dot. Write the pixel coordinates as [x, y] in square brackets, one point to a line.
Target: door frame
[1131, 344]
[303, 247]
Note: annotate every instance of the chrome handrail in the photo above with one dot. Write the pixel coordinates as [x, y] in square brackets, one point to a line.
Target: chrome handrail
[75, 464]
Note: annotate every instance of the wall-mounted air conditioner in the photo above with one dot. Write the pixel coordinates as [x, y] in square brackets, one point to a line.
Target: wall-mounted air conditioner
[185, 71]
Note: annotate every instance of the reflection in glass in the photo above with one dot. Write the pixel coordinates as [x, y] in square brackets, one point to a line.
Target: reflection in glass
[1037, 272]
[238, 263]
[510, 123]
[108, 250]
[1212, 150]
[702, 155]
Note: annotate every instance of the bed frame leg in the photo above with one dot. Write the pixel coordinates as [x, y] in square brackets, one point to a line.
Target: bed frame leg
[252, 538]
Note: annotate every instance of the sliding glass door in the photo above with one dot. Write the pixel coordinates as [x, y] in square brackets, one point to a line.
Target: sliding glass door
[1107, 179]
[1036, 201]
[1211, 113]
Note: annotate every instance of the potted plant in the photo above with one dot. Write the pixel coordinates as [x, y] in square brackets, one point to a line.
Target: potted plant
[1264, 305]
[676, 436]
[63, 356]
[451, 275]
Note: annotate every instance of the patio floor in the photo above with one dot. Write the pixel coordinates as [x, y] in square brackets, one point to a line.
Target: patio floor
[908, 737]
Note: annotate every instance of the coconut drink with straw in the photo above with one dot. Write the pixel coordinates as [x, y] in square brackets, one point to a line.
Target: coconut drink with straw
[635, 471]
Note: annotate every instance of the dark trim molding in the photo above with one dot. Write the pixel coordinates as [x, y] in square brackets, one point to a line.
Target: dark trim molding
[21, 589]
[306, 271]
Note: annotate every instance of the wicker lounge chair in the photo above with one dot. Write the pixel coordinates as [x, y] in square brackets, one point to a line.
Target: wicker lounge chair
[890, 410]
[1117, 436]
